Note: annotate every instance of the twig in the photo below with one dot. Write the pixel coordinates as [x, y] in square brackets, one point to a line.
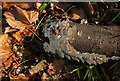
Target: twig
[103, 71]
[104, 13]
[40, 22]
[37, 28]
[35, 34]
[112, 66]
[69, 9]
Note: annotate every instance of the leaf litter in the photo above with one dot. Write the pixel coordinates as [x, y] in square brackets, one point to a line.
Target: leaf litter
[20, 24]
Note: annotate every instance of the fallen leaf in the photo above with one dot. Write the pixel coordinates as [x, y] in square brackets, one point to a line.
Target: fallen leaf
[5, 6]
[18, 36]
[89, 8]
[5, 43]
[9, 15]
[56, 67]
[21, 14]
[17, 24]
[20, 77]
[9, 59]
[23, 5]
[0, 6]
[33, 16]
[9, 30]
[38, 4]
[7, 56]
[44, 76]
[77, 14]
[24, 16]
[60, 5]
[24, 24]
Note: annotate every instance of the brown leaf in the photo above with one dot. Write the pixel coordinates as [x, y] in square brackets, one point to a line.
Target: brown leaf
[5, 6]
[56, 67]
[21, 14]
[44, 76]
[9, 15]
[33, 15]
[23, 29]
[18, 36]
[89, 8]
[24, 24]
[20, 77]
[77, 14]
[38, 4]
[63, 6]
[9, 30]
[5, 43]
[16, 24]
[24, 16]
[23, 5]
[7, 55]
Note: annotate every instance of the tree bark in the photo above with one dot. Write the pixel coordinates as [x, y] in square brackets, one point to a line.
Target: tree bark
[97, 39]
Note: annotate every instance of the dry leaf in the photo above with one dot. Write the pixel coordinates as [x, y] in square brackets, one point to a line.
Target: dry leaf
[63, 6]
[17, 24]
[23, 5]
[24, 24]
[0, 5]
[9, 15]
[75, 17]
[89, 8]
[8, 58]
[38, 4]
[56, 67]
[18, 36]
[20, 77]
[77, 14]
[5, 6]
[5, 46]
[25, 16]
[21, 14]
[44, 76]
[9, 30]
[33, 15]
[5, 43]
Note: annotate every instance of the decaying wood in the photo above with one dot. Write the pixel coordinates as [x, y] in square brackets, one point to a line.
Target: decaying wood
[97, 39]
[39, 67]
[93, 44]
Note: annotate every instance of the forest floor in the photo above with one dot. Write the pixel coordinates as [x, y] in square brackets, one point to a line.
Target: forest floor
[23, 56]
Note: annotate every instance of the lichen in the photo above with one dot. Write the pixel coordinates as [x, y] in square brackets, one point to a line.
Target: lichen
[61, 34]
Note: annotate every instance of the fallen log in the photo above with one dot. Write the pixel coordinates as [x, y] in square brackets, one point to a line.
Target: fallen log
[93, 44]
[97, 39]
